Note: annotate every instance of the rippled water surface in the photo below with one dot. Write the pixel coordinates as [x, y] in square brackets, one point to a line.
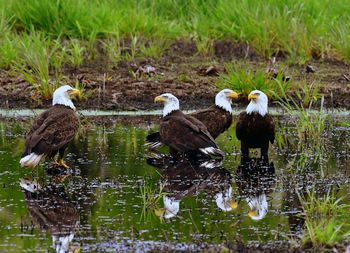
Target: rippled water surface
[119, 196]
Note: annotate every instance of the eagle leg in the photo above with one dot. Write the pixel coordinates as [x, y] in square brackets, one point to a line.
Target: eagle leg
[244, 151]
[264, 152]
[62, 163]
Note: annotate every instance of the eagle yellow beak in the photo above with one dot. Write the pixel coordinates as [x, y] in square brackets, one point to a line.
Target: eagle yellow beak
[252, 96]
[233, 95]
[159, 99]
[233, 204]
[252, 213]
[74, 93]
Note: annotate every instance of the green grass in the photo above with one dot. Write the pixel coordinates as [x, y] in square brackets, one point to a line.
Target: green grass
[243, 80]
[326, 220]
[311, 126]
[70, 31]
[36, 55]
[301, 28]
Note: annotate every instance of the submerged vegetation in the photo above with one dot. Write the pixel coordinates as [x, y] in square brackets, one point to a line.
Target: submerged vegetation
[311, 127]
[326, 219]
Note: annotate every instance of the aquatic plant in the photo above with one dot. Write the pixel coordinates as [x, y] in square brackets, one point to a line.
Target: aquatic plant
[311, 126]
[326, 219]
[150, 200]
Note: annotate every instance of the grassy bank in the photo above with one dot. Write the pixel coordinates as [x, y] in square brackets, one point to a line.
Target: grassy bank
[39, 38]
[299, 29]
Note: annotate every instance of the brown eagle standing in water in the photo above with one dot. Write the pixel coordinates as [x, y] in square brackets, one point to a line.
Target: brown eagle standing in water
[52, 130]
[255, 127]
[217, 118]
[184, 133]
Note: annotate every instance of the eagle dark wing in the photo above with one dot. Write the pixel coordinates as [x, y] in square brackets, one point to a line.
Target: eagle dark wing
[270, 128]
[241, 125]
[52, 130]
[185, 133]
[215, 119]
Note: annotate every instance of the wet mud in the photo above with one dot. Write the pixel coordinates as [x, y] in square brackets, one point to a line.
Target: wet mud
[132, 85]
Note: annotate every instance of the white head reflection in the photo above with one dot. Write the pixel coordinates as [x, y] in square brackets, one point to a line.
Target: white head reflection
[258, 206]
[224, 200]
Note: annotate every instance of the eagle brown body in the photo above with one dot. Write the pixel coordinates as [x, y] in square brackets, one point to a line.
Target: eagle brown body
[216, 120]
[52, 131]
[255, 131]
[184, 133]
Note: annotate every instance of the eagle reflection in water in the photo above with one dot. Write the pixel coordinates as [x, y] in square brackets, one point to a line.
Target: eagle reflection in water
[255, 179]
[183, 178]
[51, 209]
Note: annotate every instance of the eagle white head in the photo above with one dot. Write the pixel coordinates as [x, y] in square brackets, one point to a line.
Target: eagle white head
[171, 103]
[225, 201]
[62, 96]
[258, 102]
[224, 99]
[258, 206]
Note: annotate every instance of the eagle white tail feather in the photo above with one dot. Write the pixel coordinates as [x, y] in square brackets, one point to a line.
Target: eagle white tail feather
[153, 145]
[212, 151]
[211, 164]
[31, 160]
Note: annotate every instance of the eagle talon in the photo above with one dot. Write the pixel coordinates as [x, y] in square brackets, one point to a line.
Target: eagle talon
[61, 163]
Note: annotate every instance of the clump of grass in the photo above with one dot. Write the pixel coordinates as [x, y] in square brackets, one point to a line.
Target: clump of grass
[150, 199]
[8, 49]
[244, 80]
[326, 219]
[36, 54]
[311, 126]
[204, 46]
[113, 49]
[75, 53]
[154, 49]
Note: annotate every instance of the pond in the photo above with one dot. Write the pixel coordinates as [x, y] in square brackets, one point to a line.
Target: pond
[119, 196]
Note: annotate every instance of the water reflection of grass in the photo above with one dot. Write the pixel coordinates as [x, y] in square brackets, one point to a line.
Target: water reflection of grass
[326, 219]
[150, 201]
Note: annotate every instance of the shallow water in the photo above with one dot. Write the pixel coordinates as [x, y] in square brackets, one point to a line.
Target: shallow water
[113, 197]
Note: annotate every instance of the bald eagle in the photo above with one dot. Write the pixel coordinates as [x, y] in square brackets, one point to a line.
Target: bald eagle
[217, 118]
[255, 127]
[52, 130]
[184, 133]
[52, 210]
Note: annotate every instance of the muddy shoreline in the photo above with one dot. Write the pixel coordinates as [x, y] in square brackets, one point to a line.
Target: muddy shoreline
[126, 86]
